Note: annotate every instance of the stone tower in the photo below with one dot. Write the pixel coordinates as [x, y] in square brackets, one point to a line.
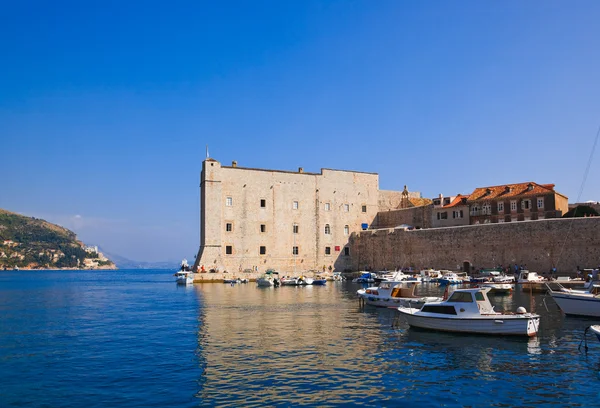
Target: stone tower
[209, 254]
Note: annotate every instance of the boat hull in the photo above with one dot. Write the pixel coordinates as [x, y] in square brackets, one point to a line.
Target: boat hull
[415, 303]
[577, 305]
[596, 330]
[509, 325]
[184, 281]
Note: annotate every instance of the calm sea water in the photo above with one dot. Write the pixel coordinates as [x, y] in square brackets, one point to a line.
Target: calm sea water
[132, 338]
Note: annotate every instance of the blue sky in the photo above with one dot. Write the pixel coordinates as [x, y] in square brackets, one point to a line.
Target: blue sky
[106, 107]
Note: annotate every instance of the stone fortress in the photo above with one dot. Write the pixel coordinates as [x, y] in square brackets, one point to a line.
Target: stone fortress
[294, 222]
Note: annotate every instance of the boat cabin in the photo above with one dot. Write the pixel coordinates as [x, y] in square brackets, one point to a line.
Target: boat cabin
[527, 276]
[468, 301]
[395, 289]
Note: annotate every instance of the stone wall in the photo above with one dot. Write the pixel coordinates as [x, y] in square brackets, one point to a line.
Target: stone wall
[540, 245]
[416, 216]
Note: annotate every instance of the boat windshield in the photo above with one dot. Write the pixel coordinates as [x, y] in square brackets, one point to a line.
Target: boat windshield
[461, 297]
[479, 296]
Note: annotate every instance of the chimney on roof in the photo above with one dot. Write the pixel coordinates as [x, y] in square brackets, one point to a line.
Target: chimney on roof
[234, 163]
[300, 170]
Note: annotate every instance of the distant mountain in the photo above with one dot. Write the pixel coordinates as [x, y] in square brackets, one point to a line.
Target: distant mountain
[32, 243]
[124, 263]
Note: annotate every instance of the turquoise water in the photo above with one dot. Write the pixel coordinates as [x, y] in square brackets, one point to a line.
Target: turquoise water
[133, 338]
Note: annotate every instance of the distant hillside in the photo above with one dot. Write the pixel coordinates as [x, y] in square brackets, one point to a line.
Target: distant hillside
[31, 243]
[124, 263]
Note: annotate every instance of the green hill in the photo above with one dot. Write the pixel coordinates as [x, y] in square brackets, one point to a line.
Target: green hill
[31, 243]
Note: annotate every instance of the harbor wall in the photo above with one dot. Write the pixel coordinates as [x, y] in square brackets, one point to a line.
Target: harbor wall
[540, 245]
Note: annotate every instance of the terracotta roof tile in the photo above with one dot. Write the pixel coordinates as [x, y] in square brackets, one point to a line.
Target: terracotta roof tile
[458, 200]
[419, 202]
[510, 190]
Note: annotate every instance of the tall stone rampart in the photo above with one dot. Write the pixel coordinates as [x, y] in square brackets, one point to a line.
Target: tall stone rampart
[540, 245]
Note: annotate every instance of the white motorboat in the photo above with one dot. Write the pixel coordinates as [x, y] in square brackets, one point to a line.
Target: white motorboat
[305, 280]
[531, 281]
[504, 279]
[450, 278]
[498, 288]
[270, 278]
[577, 302]
[289, 281]
[184, 277]
[470, 311]
[394, 294]
[530, 277]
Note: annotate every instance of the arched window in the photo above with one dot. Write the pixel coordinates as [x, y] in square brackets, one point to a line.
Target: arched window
[327, 229]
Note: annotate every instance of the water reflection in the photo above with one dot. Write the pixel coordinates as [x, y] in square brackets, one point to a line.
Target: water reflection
[316, 346]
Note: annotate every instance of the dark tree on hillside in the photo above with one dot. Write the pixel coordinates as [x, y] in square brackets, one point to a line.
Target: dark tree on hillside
[581, 211]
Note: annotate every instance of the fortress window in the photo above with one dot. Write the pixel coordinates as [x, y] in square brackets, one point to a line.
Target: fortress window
[346, 230]
[346, 207]
[263, 203]
[364, 208]
[229, 227]
[327, 229]
[346, 251]
[263, 228]
[327, 250]
[295, 228]
[295, 205]
[295, 250]
[228, 250]
[327, 207]
[229, 201]
[263, 250]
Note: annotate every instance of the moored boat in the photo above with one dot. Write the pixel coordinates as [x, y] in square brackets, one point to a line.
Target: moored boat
[595, 329]
[470, 311]
[319, 281]
[498, 288]
[577, 302]
[531, 281]
[269, 278]
[184, 278]
[394, 294]
[450, 278]
[365, 277]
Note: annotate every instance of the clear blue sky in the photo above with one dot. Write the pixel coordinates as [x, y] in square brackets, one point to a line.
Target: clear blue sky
[106, 106]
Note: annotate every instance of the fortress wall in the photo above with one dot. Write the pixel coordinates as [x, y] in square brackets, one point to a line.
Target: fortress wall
[541, 245]
[415, 216]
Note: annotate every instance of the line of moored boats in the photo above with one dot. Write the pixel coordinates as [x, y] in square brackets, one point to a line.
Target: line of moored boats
[469, 310]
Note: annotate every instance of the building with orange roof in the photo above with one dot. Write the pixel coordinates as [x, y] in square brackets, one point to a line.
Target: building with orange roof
[515, 202]
[450, 211]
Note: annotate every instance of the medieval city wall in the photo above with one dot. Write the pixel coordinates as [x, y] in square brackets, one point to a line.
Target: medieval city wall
[540, 245]
[416, 216]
